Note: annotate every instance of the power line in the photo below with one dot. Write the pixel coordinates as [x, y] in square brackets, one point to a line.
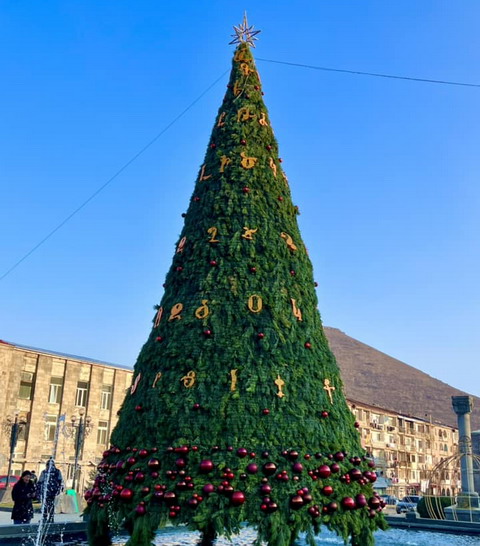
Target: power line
[358, 72]
[112, 178]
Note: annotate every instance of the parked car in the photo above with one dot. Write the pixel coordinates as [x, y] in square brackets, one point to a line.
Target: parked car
[390, 500]
[11, 482]
[407, 504]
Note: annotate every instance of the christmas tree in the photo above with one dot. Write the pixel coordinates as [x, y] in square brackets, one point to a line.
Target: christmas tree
[236, 411]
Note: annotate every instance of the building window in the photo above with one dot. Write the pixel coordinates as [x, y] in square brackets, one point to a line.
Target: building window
[102, 433]
[106, 399]
[82, 394]
[26, 385]
[50, 427]
[56, 387]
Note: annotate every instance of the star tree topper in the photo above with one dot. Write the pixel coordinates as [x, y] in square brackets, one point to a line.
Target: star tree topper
[245, 33]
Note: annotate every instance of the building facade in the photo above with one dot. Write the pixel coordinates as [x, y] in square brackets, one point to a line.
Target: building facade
[50, 395]
[408, 449]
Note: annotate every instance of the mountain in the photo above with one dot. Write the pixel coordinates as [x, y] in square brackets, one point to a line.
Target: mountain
[373, 377]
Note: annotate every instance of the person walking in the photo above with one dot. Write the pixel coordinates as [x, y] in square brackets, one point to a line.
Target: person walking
[49, 487]
[23, 493]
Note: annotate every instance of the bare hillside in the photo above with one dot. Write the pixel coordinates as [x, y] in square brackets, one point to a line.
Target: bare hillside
[373, 377]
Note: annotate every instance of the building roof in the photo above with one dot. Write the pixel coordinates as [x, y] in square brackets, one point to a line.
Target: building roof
[65, 355]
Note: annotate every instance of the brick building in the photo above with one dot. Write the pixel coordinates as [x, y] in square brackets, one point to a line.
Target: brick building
[40, 386]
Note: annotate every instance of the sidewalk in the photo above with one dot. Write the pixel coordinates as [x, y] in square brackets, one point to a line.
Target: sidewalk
[5, 517]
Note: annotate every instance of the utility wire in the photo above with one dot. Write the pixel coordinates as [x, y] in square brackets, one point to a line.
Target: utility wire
[138, 154]
[112, 178]
[357, 72]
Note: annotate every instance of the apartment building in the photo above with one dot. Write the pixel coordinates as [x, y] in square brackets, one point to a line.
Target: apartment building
[408, 449]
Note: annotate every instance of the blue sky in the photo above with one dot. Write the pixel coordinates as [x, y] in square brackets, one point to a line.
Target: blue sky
[385, 172]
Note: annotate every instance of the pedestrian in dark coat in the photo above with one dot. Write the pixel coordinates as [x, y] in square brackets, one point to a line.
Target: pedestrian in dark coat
[23, 493]
[49, 486]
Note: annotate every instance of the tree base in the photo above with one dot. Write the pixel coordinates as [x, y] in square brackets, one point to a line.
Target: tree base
[208, 537]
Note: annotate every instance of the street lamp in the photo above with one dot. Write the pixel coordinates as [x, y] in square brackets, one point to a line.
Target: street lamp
[79, 429]
[15, 425]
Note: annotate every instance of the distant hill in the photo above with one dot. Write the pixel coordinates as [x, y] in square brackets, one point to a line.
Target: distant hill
[373, 377]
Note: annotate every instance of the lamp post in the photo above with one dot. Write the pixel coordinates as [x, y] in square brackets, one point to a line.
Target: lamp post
[80, 428]
[15, 425]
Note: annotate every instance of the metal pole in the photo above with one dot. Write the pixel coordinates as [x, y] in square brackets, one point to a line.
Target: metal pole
[13, 443]
[78, 443]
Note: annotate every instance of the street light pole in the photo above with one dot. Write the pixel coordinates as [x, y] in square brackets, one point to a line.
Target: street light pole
[15, 430]
[82, 429]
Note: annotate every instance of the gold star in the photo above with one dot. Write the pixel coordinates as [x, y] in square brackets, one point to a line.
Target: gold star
[244, 33]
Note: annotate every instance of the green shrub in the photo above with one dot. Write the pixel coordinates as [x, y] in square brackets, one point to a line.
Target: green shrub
[433, 507]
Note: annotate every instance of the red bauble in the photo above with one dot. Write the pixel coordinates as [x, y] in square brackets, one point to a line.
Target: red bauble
[139, 407]
[296, 502]
[139, 477]
[297, 468]
[242, 452]
[206, 466]
[120, 466]
[154, 474]
[269, 468]
[280, 198]
[308, 345]
[143, 453]
[208, 488]
[88, 494]
[252, 468]
[371, 464]
[260, 335]
[268, 147]
[170, 498]
[213, 145]
[265, 489]
[374, 503]
[339, 456]
[131, 461]
[196, 407]
[243, 142]
[196, 199]
[293, 455]
[253, 270]
[360, 500]
[192, 502]
[355, 474]
[237, 498]
[331, 507]
[245, 189]
[327, 490]
[180, 462]
[348, 503]
[179, 268]
[153, 464]
[207, 333]
[145, 490]
[213, 263]
[335, 468]
[292, 272]
[356, 424]
[272, 507]
[266, 411]
[324, 471]
[126, 494]
[324, 414]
